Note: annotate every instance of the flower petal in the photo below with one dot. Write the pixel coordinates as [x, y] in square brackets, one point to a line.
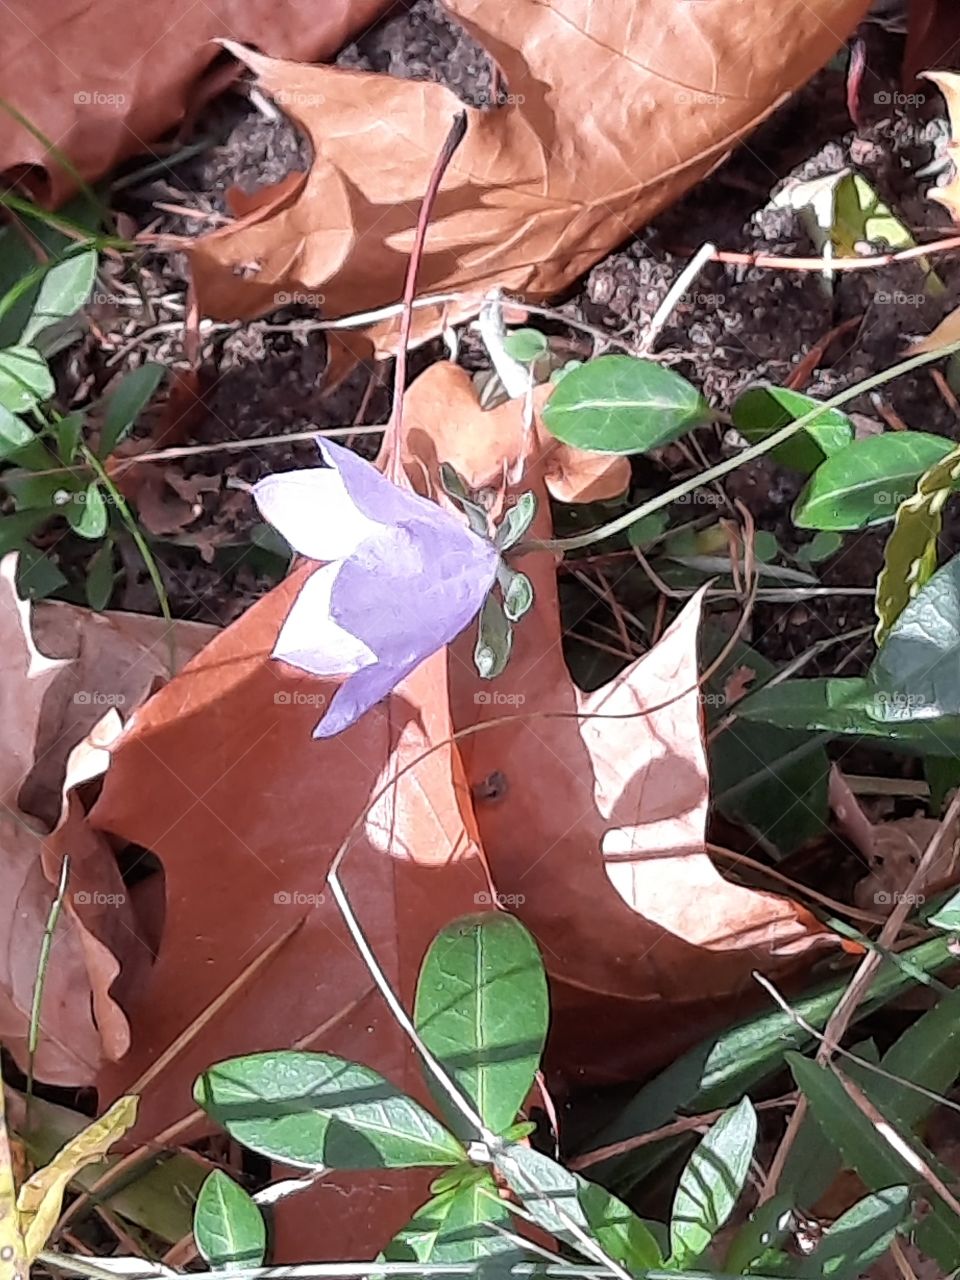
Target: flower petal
[312, 639]
[357, 695]
[372, 493]
[413, 589]
[314, 512]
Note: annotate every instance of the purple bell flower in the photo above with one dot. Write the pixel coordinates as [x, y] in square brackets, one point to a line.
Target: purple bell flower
[403, 577]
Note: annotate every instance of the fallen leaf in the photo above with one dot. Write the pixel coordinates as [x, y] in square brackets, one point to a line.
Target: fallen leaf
[65, 669]
[101, 101]
[612, 114]
[220, 778]
[933, 36]
[594, 835]
[737, 685]
[41, 1196]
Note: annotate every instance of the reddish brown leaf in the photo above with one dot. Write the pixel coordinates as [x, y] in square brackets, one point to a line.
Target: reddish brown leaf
[105, 78]
[614, 112]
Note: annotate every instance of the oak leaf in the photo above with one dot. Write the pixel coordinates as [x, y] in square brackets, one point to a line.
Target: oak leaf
[613, 111]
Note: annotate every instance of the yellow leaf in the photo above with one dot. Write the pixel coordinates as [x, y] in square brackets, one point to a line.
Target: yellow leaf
[13, 1262]
[41, 1195]
[910, 556]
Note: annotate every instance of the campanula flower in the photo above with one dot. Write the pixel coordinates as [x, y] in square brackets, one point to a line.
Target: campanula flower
[402, 578]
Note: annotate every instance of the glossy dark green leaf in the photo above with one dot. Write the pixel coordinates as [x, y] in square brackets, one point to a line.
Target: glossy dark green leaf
[25, 379]
[619, 404]
[866, 482]
[917, 669]
[760, 411]
[125, 404]
[14, 433]
[227, 1226]
[63, 292]
[712, 1183]
[623, 1236]
[87, 512]
[456, 1226]
[766, 1229]
[482, 1010]
[313, 1109]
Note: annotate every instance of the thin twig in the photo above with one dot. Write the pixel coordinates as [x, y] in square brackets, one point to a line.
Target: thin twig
[704, 254]
[43, 960]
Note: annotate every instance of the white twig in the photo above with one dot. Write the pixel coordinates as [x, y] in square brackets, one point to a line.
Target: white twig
[679, 287]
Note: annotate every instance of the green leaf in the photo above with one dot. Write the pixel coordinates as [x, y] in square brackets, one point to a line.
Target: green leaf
[917, 671]
[821, 547]
[455, 1226]
[770, 1224]
[14, 433]
[314, 1109]
[866, 1151]
[866, 482]
[15, 529]
[619, 404]
[711, 1183]
[124, 405]
[482, 1010]
[943, 775]
[947, 917]
[37, 576]
[858, 1237]
[227, 1225]
[760, 411]
[455, 487]
[516, 521]
[910, 556]
[64, 290]
[517, 597]
[562, 1202]
[927, 1054]
[494, 640]
[67, 432]
[100, 578]
[648, 529]
[24, 379]
[87, 512]
[723, 1067]
[848, 706]
[525, 345]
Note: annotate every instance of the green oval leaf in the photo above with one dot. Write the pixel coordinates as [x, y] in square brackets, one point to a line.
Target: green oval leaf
[866, 482]
[86, 512]
[125, 404]
[24, 379]
[525, 345]
[14, 433]
[455, 1226]
[917, 672]
[760, 411]
[99, 583]
[711, 1183]
[315, 1110]
[619, 404]
[65, 289]
[482, 1010]
[227, 1225]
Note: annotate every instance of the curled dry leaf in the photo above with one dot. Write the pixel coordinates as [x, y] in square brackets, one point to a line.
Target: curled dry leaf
[102, 100]
[613, 111]
[64, 669]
